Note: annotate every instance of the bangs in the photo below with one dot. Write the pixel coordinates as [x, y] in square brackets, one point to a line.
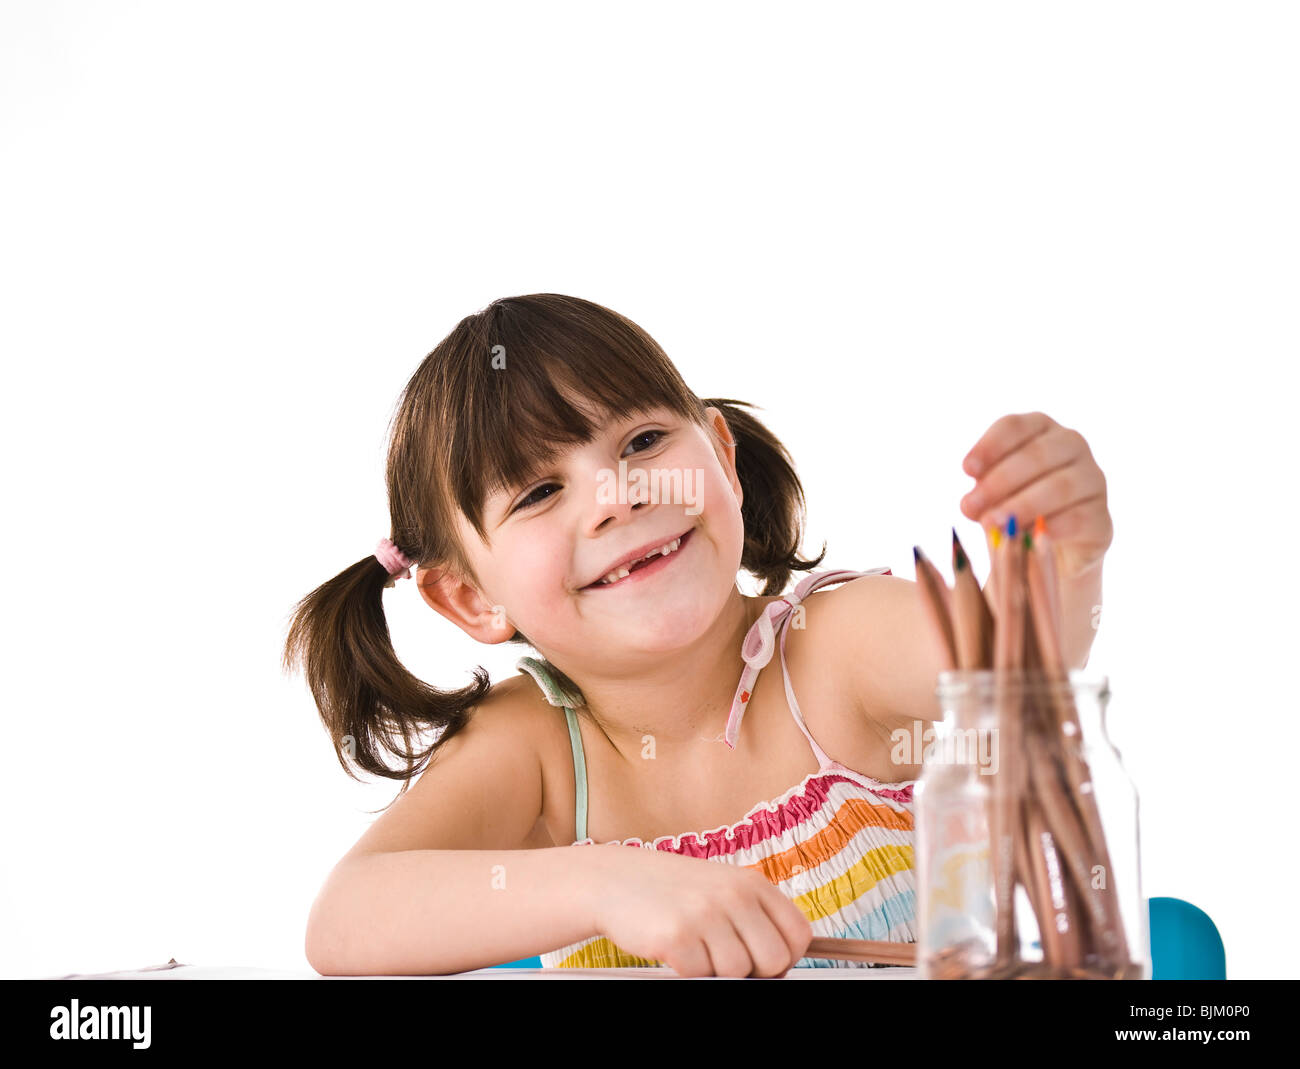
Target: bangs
[508, 422]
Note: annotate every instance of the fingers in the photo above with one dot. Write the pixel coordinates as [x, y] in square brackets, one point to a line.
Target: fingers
[1052, 473]
[790, 921]
[773, 939]
[726, 937]
[688, 957]
[1005, 436]
[1046, 452]
[729, 951]
[751, 935]
[1056, 492]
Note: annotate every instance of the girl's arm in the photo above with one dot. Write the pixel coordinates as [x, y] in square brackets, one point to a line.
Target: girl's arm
[1080, 600]
[883, 648]
[444, 880]
[428, 912]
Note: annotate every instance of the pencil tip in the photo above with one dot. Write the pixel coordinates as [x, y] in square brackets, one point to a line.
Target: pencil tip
[1011, 526]
[1040, 527]
[958, 554]
[916, 554]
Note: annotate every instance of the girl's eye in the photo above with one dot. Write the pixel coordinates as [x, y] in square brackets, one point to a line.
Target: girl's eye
[657, 436]
[532, 498]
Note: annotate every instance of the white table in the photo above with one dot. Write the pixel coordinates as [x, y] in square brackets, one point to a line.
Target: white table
[237, 972]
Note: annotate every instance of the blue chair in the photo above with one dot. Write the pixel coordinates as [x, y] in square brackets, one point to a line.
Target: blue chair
[1185, 944]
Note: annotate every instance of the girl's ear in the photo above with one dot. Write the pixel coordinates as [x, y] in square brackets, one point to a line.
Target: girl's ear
[724, 445]
[463, 605]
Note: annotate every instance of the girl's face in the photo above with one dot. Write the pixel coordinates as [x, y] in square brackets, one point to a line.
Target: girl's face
[643, 482]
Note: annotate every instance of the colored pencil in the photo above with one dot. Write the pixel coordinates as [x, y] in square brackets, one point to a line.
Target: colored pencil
[1008, 648]
[1067, 757]
[938, 605]
[972, 622]
[873, 950]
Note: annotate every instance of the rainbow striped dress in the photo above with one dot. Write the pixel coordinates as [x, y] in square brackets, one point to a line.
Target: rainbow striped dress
[839, 844]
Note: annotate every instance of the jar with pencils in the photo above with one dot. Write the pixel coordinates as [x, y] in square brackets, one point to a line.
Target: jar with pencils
[1027, 840]
[1028, 857]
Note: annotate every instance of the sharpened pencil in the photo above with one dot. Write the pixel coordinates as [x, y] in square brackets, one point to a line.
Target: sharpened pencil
[1007, 651]
[971, 619]
[938, 604]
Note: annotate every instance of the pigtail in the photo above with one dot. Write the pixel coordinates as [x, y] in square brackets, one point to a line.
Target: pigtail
[773, 506]
[369, 703]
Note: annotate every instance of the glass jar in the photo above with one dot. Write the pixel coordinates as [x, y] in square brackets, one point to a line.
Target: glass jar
[1027, 846]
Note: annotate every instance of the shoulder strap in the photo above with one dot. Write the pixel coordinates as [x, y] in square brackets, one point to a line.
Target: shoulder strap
[565, 699]
[769, 631]
[544, 674]
[579, 777]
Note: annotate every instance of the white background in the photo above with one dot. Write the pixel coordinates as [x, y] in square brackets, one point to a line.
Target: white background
[232, 230]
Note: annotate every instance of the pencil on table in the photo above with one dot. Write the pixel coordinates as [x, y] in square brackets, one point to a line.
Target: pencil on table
[879, 952]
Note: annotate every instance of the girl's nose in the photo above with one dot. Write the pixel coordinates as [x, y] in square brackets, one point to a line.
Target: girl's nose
[614, 500]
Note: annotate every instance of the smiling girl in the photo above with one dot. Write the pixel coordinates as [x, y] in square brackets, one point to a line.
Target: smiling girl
[537, 479]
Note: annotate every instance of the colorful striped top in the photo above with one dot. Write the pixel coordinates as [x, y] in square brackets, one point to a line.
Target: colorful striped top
[839, 844]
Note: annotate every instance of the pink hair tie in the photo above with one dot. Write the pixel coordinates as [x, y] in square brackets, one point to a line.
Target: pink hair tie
[393, 559]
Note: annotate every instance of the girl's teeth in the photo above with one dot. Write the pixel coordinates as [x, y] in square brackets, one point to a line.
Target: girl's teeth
[620, 573]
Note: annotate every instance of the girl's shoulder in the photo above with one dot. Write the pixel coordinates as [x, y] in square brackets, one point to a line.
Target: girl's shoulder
[516, 707]
[511, 719]
[515, 702]
[875, 634]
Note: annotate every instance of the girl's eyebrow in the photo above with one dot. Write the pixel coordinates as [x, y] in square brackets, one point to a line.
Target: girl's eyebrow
[615, 427]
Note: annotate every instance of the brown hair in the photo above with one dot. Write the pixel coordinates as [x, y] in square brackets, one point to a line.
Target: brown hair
[464, 428]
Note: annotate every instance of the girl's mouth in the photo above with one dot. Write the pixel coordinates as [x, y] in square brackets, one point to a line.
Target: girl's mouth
[644, 569]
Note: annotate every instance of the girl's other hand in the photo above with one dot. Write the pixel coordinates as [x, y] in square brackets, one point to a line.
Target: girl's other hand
[1028, 465]
[700, 918]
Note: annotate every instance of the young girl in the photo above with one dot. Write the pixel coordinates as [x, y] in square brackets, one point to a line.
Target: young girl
[553, 482]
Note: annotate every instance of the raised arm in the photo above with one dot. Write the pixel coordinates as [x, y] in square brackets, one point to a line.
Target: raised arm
[885, 650]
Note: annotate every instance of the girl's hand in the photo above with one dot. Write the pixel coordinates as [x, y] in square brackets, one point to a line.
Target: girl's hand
[1028, 465]
[700, 918]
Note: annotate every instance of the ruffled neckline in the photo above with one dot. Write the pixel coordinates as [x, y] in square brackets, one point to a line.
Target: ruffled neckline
[899, 791]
